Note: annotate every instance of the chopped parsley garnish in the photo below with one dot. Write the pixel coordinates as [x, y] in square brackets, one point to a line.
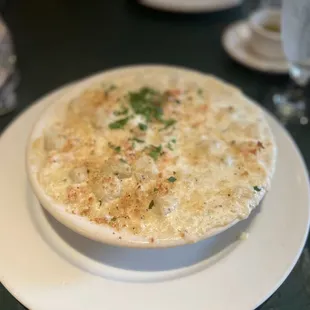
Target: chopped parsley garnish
[123, 161]
[257, 189]
[121, 112]
[115, 148]
[147, 102]
[155, 151]
[151, 205]
[142, 127]
[172, 179]
[200, 92]
[119, 124]
[113, 219]
[155, 189]
[169, 122]
[173, 140]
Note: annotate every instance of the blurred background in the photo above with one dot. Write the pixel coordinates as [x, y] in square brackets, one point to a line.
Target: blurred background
[46, 44]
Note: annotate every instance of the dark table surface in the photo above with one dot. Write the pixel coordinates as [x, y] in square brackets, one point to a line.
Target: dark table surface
[59, 41]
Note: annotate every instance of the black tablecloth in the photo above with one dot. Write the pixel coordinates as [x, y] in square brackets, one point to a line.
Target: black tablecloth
[59, 41]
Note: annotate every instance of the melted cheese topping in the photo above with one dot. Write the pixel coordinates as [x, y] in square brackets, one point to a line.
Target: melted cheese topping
[158, 154]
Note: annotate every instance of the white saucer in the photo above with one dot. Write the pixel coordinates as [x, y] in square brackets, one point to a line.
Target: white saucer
[191, 6]
[235, 41]
[47, 267]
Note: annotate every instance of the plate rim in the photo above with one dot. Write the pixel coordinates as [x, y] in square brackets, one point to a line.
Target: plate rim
[205, 8]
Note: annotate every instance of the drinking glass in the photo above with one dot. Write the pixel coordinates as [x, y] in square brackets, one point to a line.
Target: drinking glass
[8, 75]
[291, 105]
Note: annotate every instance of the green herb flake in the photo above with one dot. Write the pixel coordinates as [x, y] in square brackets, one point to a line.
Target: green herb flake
[155, 151]
[155, 189]
[147, 102]
[119, 124]
[151, 205]
[109, 89]
[172, 179]
[174, 140]
[168, 123]
[113, 219]
[200, 92]
[121, 112]
[138, 140]
[115, 148]
[256, 188]
[123, 161]
[142, 127]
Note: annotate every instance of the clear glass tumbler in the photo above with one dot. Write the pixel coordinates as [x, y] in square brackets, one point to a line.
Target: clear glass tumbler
[291, 105]
[8, 75]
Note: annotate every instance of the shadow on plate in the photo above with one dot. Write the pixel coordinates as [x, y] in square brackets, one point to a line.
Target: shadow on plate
[151, 260]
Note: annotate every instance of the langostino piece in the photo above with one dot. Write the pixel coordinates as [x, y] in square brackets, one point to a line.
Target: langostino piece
[162, 153]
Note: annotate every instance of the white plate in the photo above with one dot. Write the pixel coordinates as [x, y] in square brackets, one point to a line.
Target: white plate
[191, 6]
[47, 267]
[235, 41]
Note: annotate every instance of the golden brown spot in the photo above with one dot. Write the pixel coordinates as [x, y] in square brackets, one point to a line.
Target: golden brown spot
[85, 212]
[100, 220]
[252, 151]
[173, 92]
[231, 109]
[162, 187]
[197, 124]
[72, 194]
[68, 146]
[203, 108]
